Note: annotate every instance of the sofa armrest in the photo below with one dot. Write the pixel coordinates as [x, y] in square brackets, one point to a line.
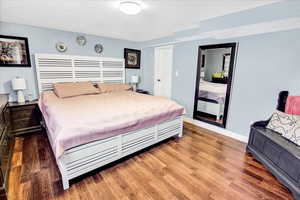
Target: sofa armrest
[263, 123]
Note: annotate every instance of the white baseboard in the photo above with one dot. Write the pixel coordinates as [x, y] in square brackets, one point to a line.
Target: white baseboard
[216, 129]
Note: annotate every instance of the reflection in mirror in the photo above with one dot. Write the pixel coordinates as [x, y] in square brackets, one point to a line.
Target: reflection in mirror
[214, 76]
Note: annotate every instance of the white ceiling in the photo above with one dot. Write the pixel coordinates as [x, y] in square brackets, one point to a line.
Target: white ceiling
[158, 18]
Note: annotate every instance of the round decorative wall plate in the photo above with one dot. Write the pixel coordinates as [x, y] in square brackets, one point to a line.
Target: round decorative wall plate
[98, 48]
[81, 40]
[61, 47]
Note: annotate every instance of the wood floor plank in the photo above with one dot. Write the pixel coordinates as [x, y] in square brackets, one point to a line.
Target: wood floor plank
[14, 183]
[41, 185]
[200, 165]
[134, 184]
[98, 188]
[118, 184]
[154, 183]
[148, 169]
[16, 159]
[26, 191]
[18, 144]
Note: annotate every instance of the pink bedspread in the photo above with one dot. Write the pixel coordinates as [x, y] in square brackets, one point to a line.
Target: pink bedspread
[83, 119]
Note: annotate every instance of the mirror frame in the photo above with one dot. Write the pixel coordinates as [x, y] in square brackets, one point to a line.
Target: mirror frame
[233, 46]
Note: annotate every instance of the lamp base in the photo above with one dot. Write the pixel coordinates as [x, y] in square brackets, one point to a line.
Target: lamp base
[21, 98]
[134, 87]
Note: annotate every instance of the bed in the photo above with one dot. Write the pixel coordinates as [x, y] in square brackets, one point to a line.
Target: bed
[211, 98]
[97, 129]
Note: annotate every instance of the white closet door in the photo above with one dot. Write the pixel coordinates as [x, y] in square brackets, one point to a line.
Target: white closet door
[163, 71]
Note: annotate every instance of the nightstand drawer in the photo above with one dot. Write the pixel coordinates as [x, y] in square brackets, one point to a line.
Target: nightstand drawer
[25, 118]
[24, 123]
[23, 112]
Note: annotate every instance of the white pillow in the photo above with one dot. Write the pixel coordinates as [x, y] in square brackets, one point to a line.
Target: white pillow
[287, 125]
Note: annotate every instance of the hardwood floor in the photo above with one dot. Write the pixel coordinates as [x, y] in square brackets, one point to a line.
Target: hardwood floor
[201, 165]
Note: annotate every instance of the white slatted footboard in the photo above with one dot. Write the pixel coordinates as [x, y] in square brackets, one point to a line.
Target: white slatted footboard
[84, 158]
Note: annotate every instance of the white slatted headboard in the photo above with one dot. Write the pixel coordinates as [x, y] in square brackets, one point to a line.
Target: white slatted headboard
[52, 68]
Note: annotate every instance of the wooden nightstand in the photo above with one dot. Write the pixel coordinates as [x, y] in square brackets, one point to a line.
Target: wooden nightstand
[25, 117]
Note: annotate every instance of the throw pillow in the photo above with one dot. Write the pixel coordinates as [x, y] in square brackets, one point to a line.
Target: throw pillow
[287, 125]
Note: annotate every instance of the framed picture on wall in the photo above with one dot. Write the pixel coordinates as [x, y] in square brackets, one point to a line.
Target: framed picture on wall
[132, 58]
[14, 52]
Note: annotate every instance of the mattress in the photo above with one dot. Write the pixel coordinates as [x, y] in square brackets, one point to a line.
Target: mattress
[79, 120]
[213, 92]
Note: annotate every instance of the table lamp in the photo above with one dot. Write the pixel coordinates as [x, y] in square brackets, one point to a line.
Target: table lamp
[134, 81]
[19, 84]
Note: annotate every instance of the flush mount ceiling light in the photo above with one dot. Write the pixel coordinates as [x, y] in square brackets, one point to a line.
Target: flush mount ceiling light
[130, 7]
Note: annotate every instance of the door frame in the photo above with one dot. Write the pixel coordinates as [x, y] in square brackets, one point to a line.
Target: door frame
[156, 49]
[233, 46]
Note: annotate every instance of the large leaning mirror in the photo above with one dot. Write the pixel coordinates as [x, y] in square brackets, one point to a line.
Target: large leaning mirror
[213, 82]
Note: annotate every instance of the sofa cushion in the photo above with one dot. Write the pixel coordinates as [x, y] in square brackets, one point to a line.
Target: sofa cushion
[287, 125]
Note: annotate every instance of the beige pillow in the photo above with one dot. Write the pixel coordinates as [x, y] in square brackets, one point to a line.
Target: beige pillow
[113, 87]
[64, 90]
[287, 125]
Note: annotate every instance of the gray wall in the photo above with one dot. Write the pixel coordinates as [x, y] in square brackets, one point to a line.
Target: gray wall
[214, 61]
[265, 64]
[42, 40]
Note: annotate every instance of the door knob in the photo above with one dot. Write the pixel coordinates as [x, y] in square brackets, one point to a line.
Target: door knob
[158, 80]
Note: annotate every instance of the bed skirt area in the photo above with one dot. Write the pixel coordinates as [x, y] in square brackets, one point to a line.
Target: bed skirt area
[87, 157]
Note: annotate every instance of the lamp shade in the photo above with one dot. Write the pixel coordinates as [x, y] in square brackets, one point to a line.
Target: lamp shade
[18, 84]
[134, 79]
